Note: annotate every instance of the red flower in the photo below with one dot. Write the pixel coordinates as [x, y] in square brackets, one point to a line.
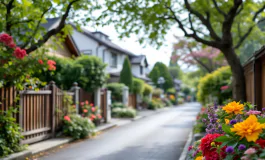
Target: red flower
[11, 45]
[93, 109]
[92, 117]
[87, 102]
[91, 104]
[207, 150]
[261, 143]
[224, 88]
[40, 61]
[67, 118]
[99, 116]
[6, 39]
[85, 110]
[20, 53]
[51, 64]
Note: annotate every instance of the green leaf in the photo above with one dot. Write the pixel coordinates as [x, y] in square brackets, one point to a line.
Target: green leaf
[262, 120]
[222, 139]
[26, 3]
[226, 129]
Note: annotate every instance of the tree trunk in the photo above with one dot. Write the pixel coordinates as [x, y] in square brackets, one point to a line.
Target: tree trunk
[239, 87]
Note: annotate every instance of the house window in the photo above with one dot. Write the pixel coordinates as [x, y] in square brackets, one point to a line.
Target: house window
[114, 60]
[87, 52]
[141, 70]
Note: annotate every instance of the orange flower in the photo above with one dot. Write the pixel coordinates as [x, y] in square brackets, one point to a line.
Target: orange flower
[85, 110]
[87, 102]
[51, 64]
[40, 61]
[67, 118]
[91, 104]
[234, 107]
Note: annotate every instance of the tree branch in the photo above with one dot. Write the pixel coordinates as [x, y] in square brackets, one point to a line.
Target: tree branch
[9, 7]
[53, 31]
[205, 21]
[23, 21]
[258, 12]
[218, 9]
[36, 29]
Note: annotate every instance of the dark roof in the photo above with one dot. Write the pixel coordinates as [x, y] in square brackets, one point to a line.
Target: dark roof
[137, 59]
[255, 55]
[100, 33]
[50, 22]
[107, 43]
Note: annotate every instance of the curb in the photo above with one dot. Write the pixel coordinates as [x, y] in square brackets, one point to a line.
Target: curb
[185, 151]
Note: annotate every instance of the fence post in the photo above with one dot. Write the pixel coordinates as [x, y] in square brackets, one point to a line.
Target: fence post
[97, 98]
[76, 89]
[53, 107]
[108, 100]
[125, 95]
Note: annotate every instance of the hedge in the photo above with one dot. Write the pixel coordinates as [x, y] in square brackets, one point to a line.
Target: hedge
[138, 86]
[116, 91]
[148, 89]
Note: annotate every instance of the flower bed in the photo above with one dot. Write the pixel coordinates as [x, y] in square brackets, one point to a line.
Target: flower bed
[90, 111]
[235, 131]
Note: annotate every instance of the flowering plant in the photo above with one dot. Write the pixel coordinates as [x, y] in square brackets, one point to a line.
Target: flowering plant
[17, 67]
[90, 111]
[234, 131]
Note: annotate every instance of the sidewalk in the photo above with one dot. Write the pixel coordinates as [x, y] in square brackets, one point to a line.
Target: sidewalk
[55, 142]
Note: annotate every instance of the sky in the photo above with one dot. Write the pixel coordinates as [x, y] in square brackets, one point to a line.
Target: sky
[152, 53]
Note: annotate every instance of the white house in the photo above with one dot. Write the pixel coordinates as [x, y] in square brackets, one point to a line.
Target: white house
[99, 44]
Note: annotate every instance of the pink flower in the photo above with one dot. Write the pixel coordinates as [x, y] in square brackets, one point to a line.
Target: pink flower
[245, 158]
[85, 110]
[82, 103]
[11, 45]
[87, 102]
[40, 61]
[91, 104]
[6, 39]
[93, 109]
[224, 88]
[19, 53]
[99, 116]
[51, 64]
[253, 112]
[67, 118]
[190, 148]
[250, 151]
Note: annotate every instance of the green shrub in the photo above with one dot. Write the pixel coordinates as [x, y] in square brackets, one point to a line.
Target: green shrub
[116, 91]
[148, 89]
[77, 127]
[138, 86]
[118, 105]
[123, 112]
[211, 85]
[126, 74]
[157, 92]
[156, 103]
[167, 102]
[10, 134]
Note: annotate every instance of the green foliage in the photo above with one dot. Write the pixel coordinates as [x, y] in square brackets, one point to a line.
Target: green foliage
[10, 133]
[138, 86]
[157, 92]
[186, 90]
[87, 71]
[155, 104]
[161, 70]
[148, 89]
[29, 17]
[126, 74]
[211, 84]
[123, 112]
[118, 105]
[171, 91]
[78, 127]
[167, 102]
[175, 72]
[116, 91]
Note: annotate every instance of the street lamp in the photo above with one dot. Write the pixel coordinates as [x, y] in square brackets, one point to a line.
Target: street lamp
[161, 81]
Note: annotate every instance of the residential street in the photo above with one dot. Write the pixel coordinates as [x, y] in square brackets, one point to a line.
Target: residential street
[158, 137]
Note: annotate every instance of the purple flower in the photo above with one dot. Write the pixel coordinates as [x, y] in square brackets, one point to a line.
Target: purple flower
[241, 147]
[263, 109]
[229, 149]
[233, 121]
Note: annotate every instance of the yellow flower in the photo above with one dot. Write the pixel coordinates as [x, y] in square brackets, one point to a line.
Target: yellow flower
[234, 107]
[212, 144]
[199, 158]
[227, 121]
[249, 128]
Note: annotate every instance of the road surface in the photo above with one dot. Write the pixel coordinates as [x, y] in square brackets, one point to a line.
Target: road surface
[158, 137]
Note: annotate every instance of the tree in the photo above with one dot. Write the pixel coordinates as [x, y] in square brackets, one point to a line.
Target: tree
[161, 70]
[175, 72]
[224, 25]
[193, 53]
[24, 19]
[126, 74]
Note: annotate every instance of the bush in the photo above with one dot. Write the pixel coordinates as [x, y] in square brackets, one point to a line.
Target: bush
[123, 112]
[156, 103]
[77, 127]
[171, 91]
[211, 85]
[90, 111]
[138, 86]
[117, 105]
[126, 74]
[167, 102]
[116, 91]
[10, 134]
[157, 92]
[148, 89]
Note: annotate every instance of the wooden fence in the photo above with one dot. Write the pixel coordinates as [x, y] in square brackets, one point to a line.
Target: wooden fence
[84, 95]
[103, 104]
[132, 100]
[40, 112]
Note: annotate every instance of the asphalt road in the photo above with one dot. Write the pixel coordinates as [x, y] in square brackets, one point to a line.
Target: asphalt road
[159, 137]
